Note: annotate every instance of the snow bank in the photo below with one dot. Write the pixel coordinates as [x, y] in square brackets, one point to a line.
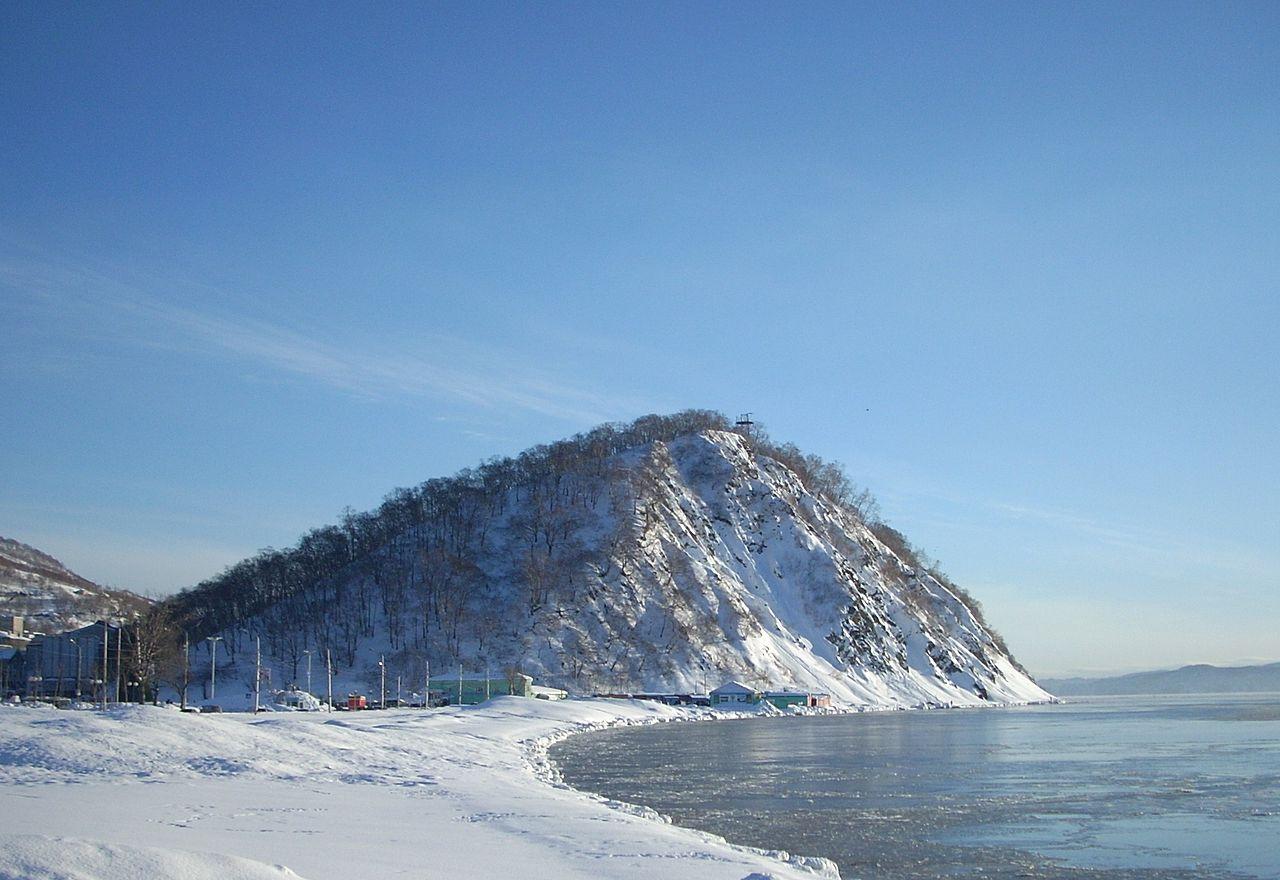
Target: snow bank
[31, 857]
[460, 792]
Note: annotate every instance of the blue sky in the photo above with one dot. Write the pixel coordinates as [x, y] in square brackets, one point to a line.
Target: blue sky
[1015, 265]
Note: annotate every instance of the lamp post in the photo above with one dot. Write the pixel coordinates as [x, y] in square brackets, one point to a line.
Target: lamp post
[328, 668]
[186, 667]
[257, 674]
[106, 639]
[308, 653]
[382, 666]
[213, 668]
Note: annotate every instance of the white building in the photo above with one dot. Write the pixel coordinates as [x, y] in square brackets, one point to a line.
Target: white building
[734, 692]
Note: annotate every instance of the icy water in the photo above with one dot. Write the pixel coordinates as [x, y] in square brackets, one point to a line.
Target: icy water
[1102, 788]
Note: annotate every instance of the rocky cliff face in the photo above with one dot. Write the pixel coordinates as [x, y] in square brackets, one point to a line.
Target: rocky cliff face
[725, 565]
[631, 558]
[50, 598]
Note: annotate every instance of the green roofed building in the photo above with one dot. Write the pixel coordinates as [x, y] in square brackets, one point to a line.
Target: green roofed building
[783, 699]
[467, 690]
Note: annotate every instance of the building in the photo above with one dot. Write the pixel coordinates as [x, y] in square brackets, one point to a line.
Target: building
[13, 631]
[783, 699]
[11, 677]
[13, 648]
[468, 690]
[733, 693]
[70, 664]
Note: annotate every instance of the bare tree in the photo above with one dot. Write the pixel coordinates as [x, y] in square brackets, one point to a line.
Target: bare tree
[154, 636]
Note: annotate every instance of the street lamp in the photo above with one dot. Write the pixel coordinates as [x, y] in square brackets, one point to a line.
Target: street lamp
[308, 653]
[382, 666]
[213, 669]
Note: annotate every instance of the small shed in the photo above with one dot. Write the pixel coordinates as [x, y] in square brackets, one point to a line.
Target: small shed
[820, 701]
[734, 692]
[357, 701]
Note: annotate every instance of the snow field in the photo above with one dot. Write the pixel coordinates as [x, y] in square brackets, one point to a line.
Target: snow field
[460, 793]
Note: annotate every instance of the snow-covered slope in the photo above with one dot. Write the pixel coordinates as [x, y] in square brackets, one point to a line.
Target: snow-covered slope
[672, 564]
[52, 598]
[729, 567]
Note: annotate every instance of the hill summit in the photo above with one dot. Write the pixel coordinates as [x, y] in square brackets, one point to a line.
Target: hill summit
[672, 553]
[52, 598]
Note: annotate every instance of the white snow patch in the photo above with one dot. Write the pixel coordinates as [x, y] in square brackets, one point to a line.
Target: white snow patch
[458, 792]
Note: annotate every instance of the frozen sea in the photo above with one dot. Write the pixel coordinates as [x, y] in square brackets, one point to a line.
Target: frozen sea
[1101, 787]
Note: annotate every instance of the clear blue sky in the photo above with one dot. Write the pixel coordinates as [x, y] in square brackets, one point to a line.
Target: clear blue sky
[1016, 265]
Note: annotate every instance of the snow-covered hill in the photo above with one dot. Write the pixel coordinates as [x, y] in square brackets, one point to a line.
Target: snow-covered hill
[673, 563]
[50, 598]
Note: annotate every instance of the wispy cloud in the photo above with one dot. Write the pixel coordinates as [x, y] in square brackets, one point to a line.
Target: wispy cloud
[369, 369]
[1129, 537]
[1157, 550]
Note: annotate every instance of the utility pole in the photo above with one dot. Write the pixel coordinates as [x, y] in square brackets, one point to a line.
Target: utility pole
[105, 637]
[459, 684]
[308, 653]
[426, 689]
[186, 667]
[328, 666]
[257, 674]
[486, 683]
[213, 668]
[119, 656]
[382, 666]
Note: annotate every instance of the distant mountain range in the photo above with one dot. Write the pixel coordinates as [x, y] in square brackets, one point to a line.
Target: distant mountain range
[51, 598]
[1198, 679]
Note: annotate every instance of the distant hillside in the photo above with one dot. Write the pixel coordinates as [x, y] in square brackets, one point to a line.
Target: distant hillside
[671, 553]
[50, 597]
[1198, 679]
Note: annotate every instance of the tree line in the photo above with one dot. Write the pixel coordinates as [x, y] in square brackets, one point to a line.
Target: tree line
[416, 570]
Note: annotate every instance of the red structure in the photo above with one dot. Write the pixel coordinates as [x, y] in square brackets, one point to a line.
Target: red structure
[356, 701]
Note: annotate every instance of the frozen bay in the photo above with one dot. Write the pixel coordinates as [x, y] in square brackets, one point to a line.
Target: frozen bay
[1126, 787]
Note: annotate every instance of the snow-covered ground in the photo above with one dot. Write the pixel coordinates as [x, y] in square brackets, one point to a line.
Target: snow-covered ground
[145, 792]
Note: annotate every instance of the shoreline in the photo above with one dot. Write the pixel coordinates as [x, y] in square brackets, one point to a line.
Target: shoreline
[537, 753]
[466, 791]
[461, 793]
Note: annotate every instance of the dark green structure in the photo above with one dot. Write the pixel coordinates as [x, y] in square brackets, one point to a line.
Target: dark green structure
[468, 690]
